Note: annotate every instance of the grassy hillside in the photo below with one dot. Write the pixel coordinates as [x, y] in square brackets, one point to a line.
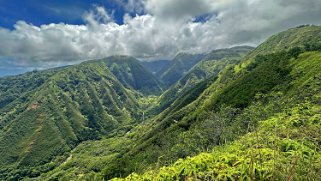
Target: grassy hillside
[235, 103]
[208, 67]
[156, 66]
[306, 36]
[131, 73]
[187, 131]
[115, 147]
[256, 117]
[178, 67]
[265, 104]
[46, 114]
[283, 143]
[13, 87]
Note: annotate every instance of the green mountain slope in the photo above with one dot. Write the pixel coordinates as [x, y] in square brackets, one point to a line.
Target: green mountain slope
[306, 37]
[303, 36]
[131, 73]
[265, 104]
[260, 117]
[60, 108]
[156, 66]
[178, 67]
[14, 87]
[208, 67]
[283, 142]
[230, 98]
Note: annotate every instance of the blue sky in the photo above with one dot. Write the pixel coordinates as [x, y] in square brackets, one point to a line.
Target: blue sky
[43, 12]
[39, 12]
[49, 11]
[40, 34]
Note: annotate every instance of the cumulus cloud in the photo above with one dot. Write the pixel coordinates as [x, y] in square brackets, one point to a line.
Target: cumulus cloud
[178, 10]
[162, 30]
[98, 16]
[131, 6]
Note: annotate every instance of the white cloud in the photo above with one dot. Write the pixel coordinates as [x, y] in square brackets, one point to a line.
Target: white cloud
[99, 16]
[178, 10]
[131, 6]
[166, 28]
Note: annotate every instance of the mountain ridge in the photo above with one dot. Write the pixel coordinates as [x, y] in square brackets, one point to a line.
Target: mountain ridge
[242, 107]
[70, 105]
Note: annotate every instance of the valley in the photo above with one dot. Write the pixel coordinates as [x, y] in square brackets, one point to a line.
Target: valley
[239, 113]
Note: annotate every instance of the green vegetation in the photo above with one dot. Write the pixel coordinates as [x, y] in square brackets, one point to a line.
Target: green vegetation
[156, 66]
[132, 74]
[51, 112]
[299, 37]
[178, 67]
[280, 149]
[229, 116]
[283, 143]
[205, 71]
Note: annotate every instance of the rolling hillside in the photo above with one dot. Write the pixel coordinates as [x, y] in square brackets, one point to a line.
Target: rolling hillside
[132, 74]
[156, 66]
[208, 67]
[46, 114]
[229, 116]
[178, 67]
[283, 139]
[230, 107]
[241, 105]
[273, 101]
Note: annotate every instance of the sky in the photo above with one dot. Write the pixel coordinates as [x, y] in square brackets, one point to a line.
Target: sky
[48, 33]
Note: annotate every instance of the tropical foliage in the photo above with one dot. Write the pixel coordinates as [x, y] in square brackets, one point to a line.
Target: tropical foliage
[227, 116]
